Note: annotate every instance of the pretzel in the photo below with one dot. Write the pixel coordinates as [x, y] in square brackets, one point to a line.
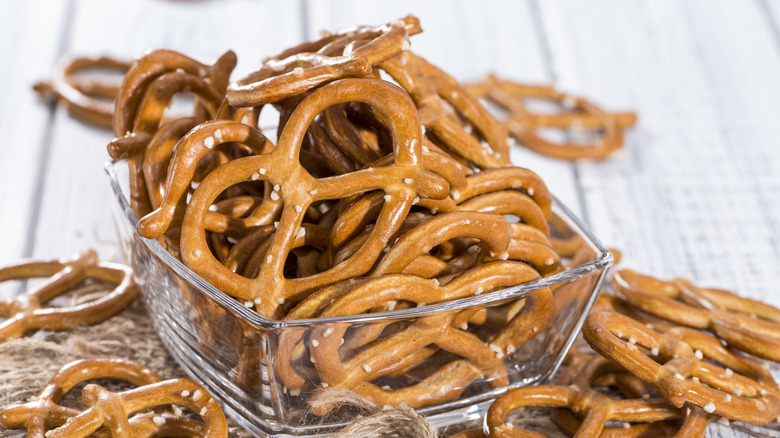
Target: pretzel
[585, 371]
[578, 113]
[436, 94]
[196, 144]
[110, 410]
[147, 90]
[348, 53]
[512, 190]
[388, 354]
[749, 325]
[26, 312]
[84, 98]
[44, 413]
[401, 182]
[682, 375]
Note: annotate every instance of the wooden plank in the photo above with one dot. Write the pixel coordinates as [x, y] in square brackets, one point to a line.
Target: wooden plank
[29, 44]
[76, 210]
[694, 194]
[467, 41]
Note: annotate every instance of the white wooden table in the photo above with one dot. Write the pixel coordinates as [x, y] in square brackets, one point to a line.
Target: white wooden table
[695, 192]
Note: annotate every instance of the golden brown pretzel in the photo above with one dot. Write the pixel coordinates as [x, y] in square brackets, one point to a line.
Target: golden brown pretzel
[26, 312]
[44, 413]
[585, 371]
[154, 425]
[436, 94]
[86, 99]
[445, 330]
[156, 63]
[348, 53]
[744, 391]
[110, 410]
[595, 408]
[182, 165]
[297, 190]
[578, 113]
[147, 91]
[749, 325]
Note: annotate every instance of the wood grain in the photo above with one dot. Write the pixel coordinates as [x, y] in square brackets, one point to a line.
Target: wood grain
[30, 43]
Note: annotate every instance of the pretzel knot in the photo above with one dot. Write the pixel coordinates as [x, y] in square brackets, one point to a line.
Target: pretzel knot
[749, 325]
[26, 312]
[578, 116]
[349, 53]
[84, 98]
[43, 413]
[296, 190]
[684, 374]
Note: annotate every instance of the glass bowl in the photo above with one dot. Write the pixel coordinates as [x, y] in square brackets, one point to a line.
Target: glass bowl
[245, 359]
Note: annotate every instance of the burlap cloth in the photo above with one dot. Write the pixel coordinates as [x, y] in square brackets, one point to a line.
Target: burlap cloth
[26, 364]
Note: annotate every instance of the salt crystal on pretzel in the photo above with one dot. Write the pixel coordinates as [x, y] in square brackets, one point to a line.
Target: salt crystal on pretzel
[27, 312]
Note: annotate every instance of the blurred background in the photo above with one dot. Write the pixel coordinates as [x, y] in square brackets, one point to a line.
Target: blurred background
[694, 193]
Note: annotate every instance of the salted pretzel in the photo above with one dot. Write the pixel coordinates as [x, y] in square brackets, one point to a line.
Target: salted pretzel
[749, 325]
[577, 114]
[44, 412]
[27, 312]
[436, 94]
[586, 371]
[511, 190]
[156, 425]
[87, 99]
[110, 410]
[180, 172]
[743, 391]
[351, 52]
[445, 330]
[421, 292]
[146, 92]
[492, 230]
[297, 190]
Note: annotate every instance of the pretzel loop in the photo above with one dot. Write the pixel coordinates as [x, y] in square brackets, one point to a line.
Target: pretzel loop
[25, 312]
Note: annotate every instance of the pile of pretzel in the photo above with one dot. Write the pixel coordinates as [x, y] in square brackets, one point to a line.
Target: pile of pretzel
[679, 356]
[389, 187]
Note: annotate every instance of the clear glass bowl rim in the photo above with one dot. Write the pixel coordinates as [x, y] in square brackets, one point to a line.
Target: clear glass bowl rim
[602, 261]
